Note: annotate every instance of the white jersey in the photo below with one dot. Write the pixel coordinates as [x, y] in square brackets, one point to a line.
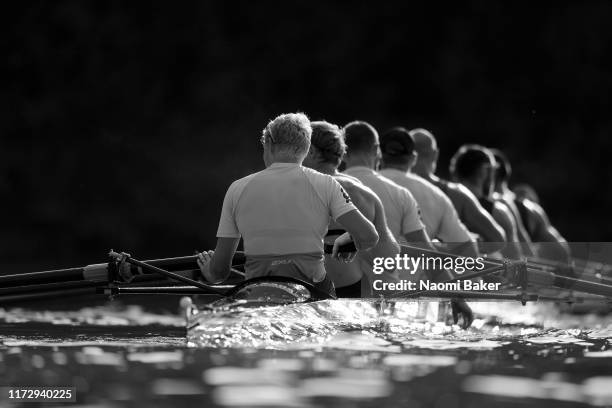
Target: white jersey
[439, 215]
[284, 209]
[401, 209]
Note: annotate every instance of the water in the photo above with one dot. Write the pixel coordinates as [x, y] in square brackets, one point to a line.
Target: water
[340, 353]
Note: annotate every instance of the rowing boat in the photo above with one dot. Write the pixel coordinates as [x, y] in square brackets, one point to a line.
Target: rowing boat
[272, 312]
[287, 303]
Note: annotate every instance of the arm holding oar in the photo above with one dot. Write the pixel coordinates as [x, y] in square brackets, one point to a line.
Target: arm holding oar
[216, 265]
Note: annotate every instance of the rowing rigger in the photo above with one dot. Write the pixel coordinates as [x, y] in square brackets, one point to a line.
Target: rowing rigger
[123, 275]
[94, 279]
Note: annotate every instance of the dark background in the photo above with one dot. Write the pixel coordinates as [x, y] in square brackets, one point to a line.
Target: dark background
[124, 123]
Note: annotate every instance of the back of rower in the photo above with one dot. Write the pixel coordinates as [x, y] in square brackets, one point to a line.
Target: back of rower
[491, 236]
[502, 192]
[473, 166]
[439, 215]
[352, 279]
[401, 209]
[282, 213]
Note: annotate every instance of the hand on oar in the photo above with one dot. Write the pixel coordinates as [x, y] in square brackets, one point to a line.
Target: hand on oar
[461, 308]
[204, 259]
[344, 248]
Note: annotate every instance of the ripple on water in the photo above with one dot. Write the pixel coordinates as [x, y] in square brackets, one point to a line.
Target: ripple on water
[594, 390]
[130, 315]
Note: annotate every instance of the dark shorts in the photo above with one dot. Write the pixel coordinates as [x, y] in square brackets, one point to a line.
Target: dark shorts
[350, 291]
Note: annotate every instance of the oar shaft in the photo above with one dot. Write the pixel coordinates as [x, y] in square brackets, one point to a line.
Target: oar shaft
[45, 287]
[58, 275]
[100, 272]
[47, 294]
[168, 290]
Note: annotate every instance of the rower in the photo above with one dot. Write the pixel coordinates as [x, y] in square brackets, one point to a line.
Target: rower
[551, 243]
[491, 236]
[502, 192]
[524, 190]
[439, 216]
[282, 213]
[352, 279]
[473, 166]
[401, 209]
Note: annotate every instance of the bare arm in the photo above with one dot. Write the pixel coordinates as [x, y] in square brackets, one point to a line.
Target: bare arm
[419, 238]
[478, 220]
[219, 266]
[360, 228]
[553, 246]
[503, 216]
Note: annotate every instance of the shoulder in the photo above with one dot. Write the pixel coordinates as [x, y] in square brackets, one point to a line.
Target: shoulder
[312, 174]
[342, 177]
[318, 179]
[532, 207]
[503, 210]
[387, 182]
[461, 192]
[440, 197]
[242, 182]
[424, 185]
[397, 190]
[355, 187]
[325, 185]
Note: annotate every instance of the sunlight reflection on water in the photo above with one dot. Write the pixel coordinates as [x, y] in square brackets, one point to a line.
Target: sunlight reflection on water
[315, 354]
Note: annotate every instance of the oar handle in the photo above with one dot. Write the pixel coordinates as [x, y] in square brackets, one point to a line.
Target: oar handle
[124, 257]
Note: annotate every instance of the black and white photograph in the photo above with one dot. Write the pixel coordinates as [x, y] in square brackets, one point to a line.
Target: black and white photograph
[306, 204]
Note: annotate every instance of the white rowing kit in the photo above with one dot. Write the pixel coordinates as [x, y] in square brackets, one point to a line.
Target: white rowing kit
[400, 206]
[439, 215]
[282, 214]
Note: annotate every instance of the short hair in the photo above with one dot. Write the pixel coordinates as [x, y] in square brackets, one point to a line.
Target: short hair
[503, 170]
[360, 137]
[396, 145]
[290, 133]
[469, 159]
[424, 141]
[329, 140]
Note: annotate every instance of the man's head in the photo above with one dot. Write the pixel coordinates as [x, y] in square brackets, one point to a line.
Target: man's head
[286, 138]
[327, 146]
[503, 170]
[397, 147]
[474, 164]
[362, 144]
[427, 151]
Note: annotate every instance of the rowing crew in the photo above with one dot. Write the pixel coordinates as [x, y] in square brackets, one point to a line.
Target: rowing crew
[287, 212]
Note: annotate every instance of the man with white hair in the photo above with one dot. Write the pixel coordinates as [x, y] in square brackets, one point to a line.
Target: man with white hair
[282, 213]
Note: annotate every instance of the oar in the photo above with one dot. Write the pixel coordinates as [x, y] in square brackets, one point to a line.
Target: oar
[167, 290]
[124, 257]
[103, 272]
